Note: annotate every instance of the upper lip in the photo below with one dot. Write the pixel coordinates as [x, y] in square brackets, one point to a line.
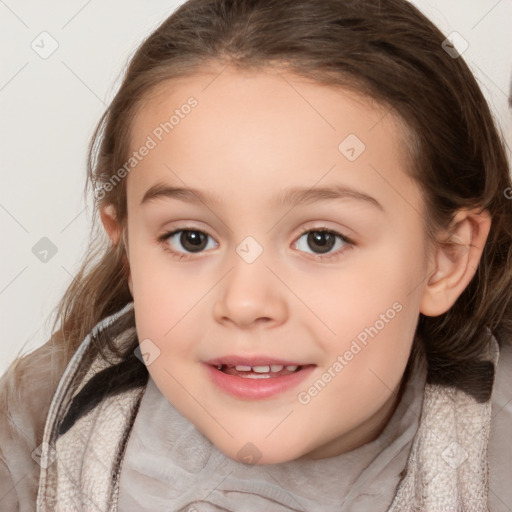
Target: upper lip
[233, 360]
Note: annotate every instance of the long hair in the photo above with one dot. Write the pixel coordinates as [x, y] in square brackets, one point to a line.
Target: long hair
[388, 51]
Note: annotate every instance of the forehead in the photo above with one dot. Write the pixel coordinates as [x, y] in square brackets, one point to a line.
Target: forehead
[262, 130]
[265, 92]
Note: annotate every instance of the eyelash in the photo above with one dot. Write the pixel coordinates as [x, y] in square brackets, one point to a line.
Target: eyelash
[163, 240]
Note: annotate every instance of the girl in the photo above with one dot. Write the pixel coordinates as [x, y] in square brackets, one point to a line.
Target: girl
[305, 298]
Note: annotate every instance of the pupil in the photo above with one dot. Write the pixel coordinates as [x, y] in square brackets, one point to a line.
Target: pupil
[322, 239]
[192, 240]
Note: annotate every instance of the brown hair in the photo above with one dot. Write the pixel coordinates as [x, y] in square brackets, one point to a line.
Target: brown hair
[386, 50]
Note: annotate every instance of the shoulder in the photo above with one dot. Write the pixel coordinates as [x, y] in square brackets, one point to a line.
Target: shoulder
[26, 391]
[502, 391]
[500, 441]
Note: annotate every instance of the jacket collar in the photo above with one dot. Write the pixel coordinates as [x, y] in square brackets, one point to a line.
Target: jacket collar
[80, 464]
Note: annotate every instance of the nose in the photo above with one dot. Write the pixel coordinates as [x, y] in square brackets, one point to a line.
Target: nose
[251, 295]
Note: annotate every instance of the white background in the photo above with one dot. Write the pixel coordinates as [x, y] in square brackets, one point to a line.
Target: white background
[49, 108]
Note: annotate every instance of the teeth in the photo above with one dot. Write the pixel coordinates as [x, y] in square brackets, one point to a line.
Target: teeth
[275, 368]
[242, 368]
[261, 369]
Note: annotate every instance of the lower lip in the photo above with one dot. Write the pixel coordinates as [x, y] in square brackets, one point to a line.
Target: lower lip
[256, 389]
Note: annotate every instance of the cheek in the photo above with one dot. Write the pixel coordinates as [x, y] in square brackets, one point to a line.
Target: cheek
[372, 309]
[373, 283]
[368, 358]
[163, 293]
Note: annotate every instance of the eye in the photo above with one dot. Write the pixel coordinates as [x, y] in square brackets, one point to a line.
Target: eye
[322, 241]
[191, 240]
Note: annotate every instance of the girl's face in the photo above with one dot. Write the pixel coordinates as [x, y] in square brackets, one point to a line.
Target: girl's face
[265, 164]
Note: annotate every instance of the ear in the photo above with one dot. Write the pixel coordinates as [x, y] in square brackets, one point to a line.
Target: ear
[115, 232]
[110, 223]
[456, 258]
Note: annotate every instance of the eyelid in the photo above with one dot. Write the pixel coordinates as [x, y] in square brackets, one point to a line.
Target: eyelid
[323, 227]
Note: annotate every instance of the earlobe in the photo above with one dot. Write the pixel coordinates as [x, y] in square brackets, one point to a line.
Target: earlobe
[456, 259]
[130, 283]
[110, 223]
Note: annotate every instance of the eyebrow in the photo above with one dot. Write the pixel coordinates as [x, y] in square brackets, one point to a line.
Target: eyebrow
[288, 197]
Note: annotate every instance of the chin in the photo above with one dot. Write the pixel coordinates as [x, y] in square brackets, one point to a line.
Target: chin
[250, 454]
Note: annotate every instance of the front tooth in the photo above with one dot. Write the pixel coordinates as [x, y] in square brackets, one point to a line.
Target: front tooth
[261, 369]
[291, 368]
[276, 367]
[242, 368]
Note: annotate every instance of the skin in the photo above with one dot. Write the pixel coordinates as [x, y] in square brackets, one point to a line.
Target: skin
[251, 136]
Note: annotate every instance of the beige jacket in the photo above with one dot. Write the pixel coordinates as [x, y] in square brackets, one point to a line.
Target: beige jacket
[461, 458]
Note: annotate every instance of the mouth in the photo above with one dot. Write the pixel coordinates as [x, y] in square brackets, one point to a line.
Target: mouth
[256, 378]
